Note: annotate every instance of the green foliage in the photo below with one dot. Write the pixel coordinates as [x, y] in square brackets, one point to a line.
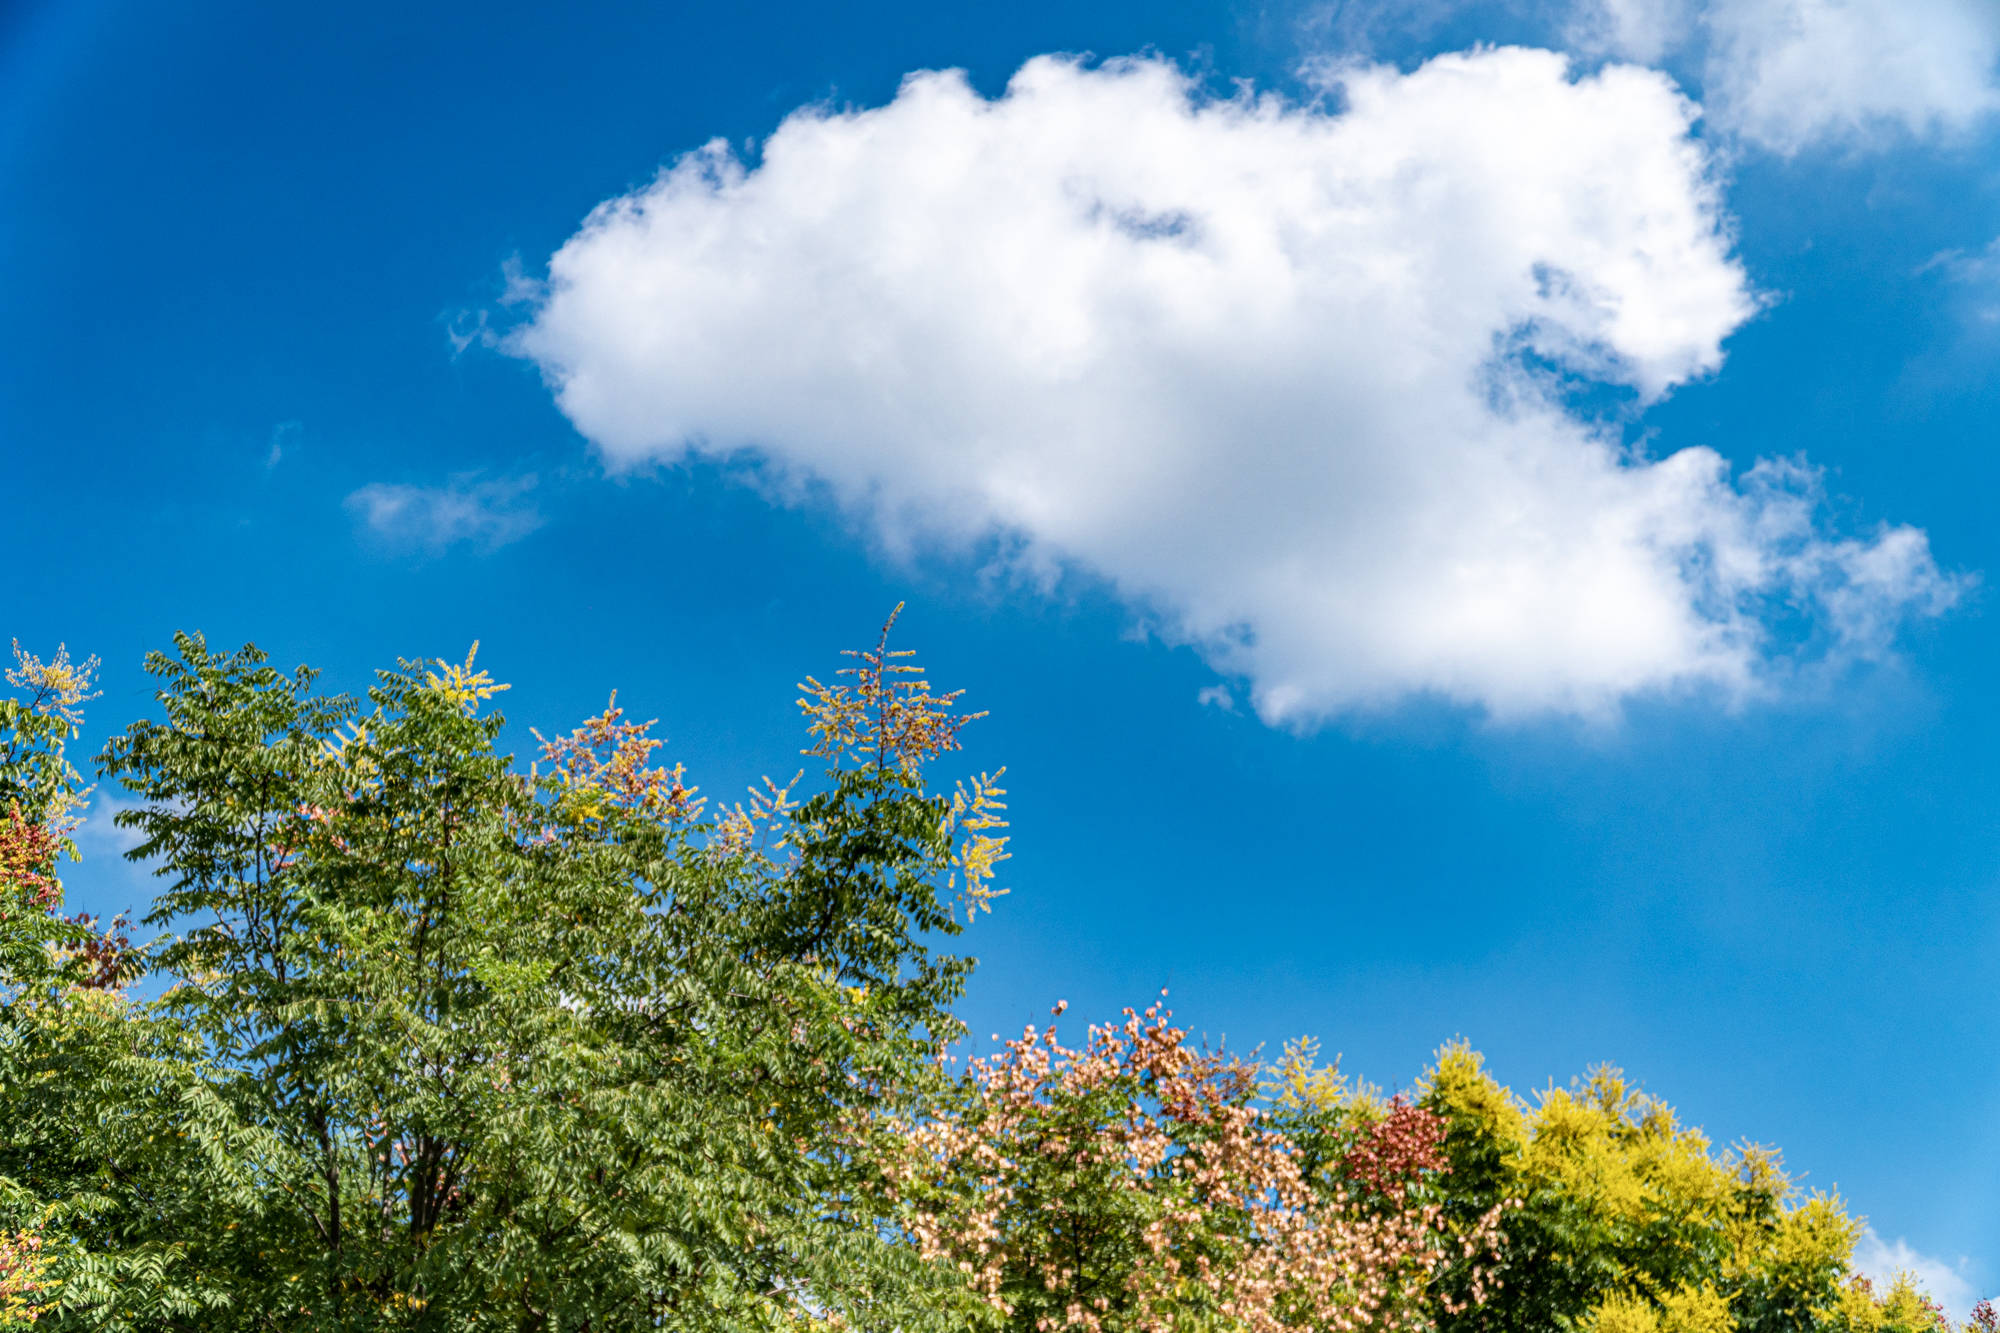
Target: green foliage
[445, 1045]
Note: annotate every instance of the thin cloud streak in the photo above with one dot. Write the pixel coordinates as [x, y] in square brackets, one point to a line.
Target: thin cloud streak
[484, 514]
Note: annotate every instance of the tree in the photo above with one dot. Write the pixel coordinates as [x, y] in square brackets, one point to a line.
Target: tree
[41, 799]
[1135, 1183]
[463, 1047]
[1903, 1308]
[1629, 1222]
[438, 1041]
[62, 1021]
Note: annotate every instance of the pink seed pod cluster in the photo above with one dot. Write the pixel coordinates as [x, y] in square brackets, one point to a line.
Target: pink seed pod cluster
[1134, 1183]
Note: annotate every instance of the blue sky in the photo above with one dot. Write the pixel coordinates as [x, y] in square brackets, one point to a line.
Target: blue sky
[1349, 506]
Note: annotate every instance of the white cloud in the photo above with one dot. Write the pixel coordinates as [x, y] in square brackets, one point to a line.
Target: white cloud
[1880, 1261]
[1289, 379]
[1975, 281]
[1788, 74]
[1642, 30]
[483, 513]
[103, 846]
[100, 835]
[1216, 696]
[282, 434]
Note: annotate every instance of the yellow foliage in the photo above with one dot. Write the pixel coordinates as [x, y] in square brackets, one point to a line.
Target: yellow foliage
[1903, 1309]
[1613, 1144]
[1301, 1083]
[460, 684]
[888, 711]
[1603, 1163]
[1459, 1081]
[975, 812]
[57, 686]
[1687, 1310]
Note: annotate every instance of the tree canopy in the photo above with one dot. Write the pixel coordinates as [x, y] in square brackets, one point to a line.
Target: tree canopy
[429, 1038]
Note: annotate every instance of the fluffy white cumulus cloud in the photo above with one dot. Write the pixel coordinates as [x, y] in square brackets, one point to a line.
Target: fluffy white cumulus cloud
[1292, 380]
[1787, 74]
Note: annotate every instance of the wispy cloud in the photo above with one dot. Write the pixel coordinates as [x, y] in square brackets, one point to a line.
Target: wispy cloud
[102, 847]
[1643, 30]
[1787, 75]
[1975, 279]
[468, 328]
[100, 834]
[284, 436]
[467, 510]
